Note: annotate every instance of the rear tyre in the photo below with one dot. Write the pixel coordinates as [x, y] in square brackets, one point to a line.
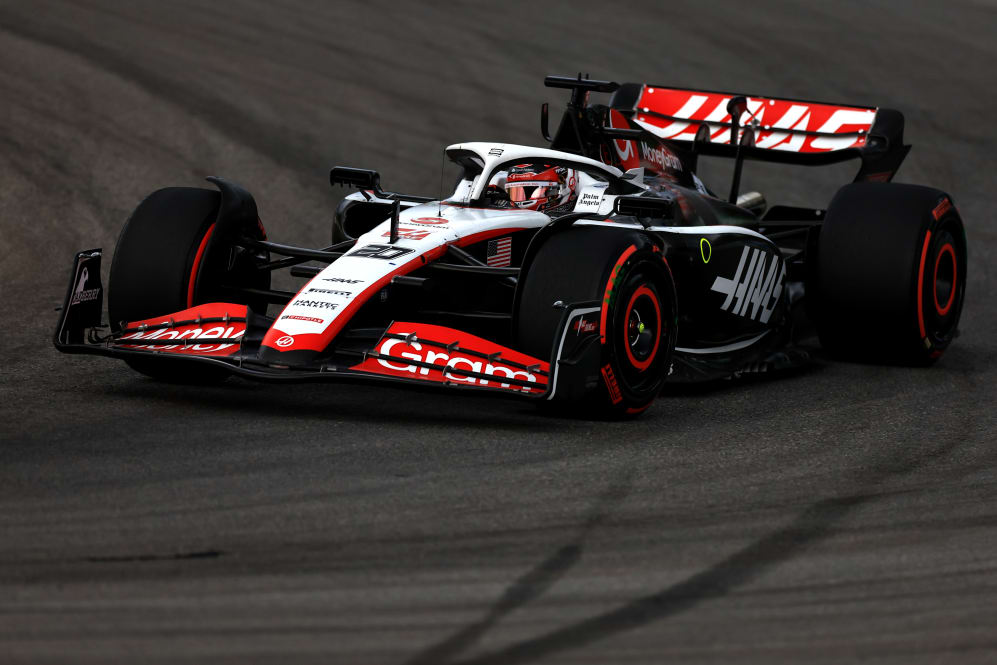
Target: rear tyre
[890, 275]
[627, 273]
[162, 265]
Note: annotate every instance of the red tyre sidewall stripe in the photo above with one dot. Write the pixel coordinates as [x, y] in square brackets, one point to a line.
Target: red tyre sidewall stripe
[642, 365]
[920, 286]
[192, 281]
[946, 248]
[609, 289]
[639, 409]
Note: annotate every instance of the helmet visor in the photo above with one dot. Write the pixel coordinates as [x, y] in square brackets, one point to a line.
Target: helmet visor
[521, 192]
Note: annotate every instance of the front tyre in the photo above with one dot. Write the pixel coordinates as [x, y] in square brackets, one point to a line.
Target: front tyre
[162, 264]
[626, 273]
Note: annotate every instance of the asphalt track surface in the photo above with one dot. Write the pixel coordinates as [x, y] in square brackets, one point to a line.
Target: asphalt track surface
[846, 513]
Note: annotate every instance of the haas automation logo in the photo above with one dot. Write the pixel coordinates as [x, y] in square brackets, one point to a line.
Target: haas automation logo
[753, 293]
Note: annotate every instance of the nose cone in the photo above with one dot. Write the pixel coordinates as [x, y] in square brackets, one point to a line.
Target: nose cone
[289, 358]
[292, 349]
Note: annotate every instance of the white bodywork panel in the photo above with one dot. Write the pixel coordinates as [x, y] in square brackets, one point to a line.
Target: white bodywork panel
[326, 303]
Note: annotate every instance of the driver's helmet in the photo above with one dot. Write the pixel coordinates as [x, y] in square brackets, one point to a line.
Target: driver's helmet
[541, 186]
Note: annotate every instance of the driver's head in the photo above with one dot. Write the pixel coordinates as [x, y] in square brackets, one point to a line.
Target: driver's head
[540, 186]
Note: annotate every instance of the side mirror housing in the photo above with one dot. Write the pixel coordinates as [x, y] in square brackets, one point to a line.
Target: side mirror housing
[351, 177]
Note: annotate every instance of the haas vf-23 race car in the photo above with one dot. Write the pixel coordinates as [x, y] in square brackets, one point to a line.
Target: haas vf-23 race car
[584, 275]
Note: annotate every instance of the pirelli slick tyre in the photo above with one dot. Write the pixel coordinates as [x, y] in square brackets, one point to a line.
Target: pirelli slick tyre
[626, 273]
[162, 265]
[890, 275]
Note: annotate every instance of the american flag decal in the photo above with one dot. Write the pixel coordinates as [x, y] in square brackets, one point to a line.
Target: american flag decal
[500, 252]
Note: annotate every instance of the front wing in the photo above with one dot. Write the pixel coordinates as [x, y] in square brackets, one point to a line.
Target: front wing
[230, 335]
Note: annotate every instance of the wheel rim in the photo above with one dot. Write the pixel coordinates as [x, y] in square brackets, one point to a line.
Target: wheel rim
[642, 327]
[945, 279]
[941, 282]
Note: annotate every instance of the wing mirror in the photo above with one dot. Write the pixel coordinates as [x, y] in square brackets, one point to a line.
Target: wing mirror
[351, 177]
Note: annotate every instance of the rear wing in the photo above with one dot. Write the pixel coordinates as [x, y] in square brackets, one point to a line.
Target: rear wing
[699, 122]
[770, 128]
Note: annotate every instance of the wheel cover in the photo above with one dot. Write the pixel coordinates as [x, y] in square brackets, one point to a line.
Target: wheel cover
[944, 286]
[642, 328]
[940, 286]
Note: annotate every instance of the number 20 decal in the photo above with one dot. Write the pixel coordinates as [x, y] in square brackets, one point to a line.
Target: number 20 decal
[385, 252]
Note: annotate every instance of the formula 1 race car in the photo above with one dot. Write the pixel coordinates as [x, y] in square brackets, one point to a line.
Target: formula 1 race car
[585, 275]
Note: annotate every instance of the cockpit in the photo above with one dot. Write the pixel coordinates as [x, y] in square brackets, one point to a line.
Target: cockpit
[519, 177]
